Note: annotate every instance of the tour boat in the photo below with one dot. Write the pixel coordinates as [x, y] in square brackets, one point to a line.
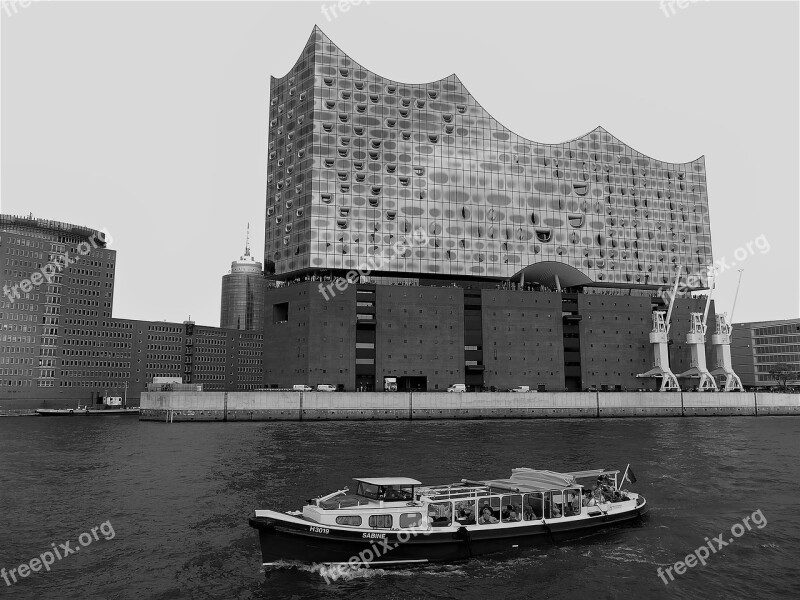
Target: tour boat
[398, 521]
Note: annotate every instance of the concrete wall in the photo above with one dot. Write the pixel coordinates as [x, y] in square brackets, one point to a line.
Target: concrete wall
[296, 406]
[503, 405]
[263, 406]
[645, 404]
[698, 404]
[777, 404]
[355, 406]
[182, 406]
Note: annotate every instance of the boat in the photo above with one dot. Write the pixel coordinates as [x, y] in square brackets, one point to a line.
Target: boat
[109, 407]
[81, 410]
[398, 521]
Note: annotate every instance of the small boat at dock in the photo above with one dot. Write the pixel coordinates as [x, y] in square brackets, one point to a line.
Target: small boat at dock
[398, 521]
[80, 410]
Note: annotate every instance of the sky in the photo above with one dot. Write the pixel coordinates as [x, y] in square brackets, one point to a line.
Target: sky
[150, 119]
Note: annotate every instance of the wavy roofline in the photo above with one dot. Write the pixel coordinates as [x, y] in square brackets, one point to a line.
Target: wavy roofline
[454, 75]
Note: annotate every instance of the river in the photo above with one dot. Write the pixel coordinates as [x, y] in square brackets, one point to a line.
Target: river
[169, 505]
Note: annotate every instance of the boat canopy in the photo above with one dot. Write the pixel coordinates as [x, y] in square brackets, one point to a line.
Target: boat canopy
[593, 473]
[386, 481]
[537, 478]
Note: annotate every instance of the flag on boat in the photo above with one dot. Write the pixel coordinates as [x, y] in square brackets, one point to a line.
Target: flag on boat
[629, 476]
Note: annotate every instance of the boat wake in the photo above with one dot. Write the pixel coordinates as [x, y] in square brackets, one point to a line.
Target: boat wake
[350, 573]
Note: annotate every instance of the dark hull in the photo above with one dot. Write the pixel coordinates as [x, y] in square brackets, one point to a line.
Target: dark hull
[282, 541]
[64, 412]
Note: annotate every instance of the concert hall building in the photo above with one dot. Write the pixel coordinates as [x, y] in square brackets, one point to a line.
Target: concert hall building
[474, 255]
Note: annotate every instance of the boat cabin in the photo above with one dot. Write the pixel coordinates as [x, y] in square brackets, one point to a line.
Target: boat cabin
[387, 489]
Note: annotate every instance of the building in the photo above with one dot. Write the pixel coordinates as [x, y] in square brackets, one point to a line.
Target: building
[56, 277]
[757, 347]
[60, 344]
[475, 255]
[242, 305]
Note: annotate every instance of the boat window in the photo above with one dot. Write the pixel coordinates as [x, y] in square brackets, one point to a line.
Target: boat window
[552, 505]
[572, 503]
[489, 510]
[367, 490]
[394, 493]
[532, 506]
[410, 520]
[512, 508]
[381, 521]
[352, 520]
[465, 512]
[440, 514]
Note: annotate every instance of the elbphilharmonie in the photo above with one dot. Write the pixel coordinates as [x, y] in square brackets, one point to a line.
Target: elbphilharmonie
[464, 251]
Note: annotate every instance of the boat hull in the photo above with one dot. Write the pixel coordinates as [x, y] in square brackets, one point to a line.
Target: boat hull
[61, 412]
[75, 412]
[307, 542]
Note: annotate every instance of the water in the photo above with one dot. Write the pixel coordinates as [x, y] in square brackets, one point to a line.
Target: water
[178, 498]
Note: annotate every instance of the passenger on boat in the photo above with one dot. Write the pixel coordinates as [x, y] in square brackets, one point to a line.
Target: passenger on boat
[486, 516]
[551, 509]
[511, 513]
[533, 509]
[439, 514]
[465, 512]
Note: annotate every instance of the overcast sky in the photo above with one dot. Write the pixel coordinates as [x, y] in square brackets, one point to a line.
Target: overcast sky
[150, 118]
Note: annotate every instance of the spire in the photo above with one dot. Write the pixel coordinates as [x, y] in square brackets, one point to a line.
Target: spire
[247, 244]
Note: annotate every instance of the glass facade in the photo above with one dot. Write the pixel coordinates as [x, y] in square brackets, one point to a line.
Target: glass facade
[366, 172]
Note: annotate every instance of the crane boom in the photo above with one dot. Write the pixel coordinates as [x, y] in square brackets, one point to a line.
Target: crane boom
[674, 293]
[708, 302]
[736, 296]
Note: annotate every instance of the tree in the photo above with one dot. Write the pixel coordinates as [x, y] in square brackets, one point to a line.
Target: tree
[782, 373]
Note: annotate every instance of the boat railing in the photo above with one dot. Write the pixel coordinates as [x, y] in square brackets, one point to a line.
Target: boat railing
[455, 491]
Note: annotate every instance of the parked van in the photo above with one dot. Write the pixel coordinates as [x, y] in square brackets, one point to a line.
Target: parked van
[521, 388]
[457, 387]
[302, 388]
[324, 387]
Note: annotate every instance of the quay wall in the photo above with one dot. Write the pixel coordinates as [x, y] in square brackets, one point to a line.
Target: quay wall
[703, 404]
[643, 404]
[320, 406]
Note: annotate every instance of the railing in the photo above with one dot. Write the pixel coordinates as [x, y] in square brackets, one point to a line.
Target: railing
[453, 492]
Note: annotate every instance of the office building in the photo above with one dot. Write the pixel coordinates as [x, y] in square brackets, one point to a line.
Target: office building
[757, 348]
[242, 305]
[60, 345]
